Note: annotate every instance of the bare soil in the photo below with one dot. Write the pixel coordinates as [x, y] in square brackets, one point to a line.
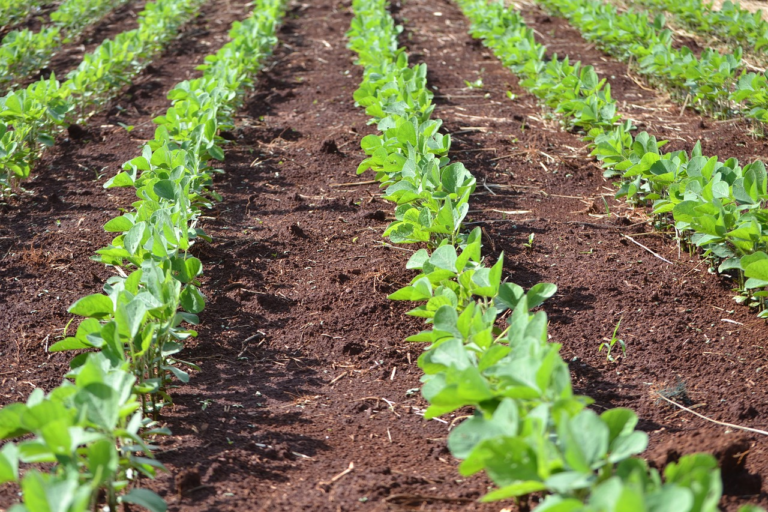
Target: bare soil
[308, 396]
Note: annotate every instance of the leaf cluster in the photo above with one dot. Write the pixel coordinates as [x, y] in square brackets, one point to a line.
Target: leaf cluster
[409, 155]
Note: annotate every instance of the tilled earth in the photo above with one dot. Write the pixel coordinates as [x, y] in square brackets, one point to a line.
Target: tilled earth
[308, 395]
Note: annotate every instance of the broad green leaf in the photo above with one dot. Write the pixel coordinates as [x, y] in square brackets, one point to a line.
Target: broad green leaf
[9, 463]
[145, 498]
[509, 295]
[93, 306]
[102, 459]
[757, 270]
[514, 490]
[472, 431]
[444, 257]
[118, 225]
[165, 189]
[416, 261]
[620, 421]
[585, 440]
[216, 153]
[192, 300]
[539, 293]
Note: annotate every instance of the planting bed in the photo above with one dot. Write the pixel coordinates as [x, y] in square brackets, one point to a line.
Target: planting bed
[308, 397]
[70, 55]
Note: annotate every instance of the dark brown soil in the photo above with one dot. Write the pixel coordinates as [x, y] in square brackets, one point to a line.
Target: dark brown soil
[307, 399]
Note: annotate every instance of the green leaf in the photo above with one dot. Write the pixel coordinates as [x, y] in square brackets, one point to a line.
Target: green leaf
[46, 140]
[133, 238]
[539, 293]
[620, 421]
[463, 439]
[444, 257]
[102, 459]
[10, 421]
[185, 270]
[514, 490]
[9, 463]
[118, 225]
[757, 270]
[585, 438]
[192, 300]
[179, 374]
[42, 495]
[627, 446]
[216, 153]
[508, 297]
[417, 260]
[93, 306]
[56, 436]
[122, 179]
[507, 460]
[145, 498]
[165, 189]
[670, 499]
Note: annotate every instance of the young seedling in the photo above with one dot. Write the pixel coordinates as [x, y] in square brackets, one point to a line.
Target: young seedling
[609, 344]
[477, 84]
[529, 243]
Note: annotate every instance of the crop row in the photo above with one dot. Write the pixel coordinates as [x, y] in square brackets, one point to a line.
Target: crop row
[731, 23]
[14, 11]
[30, 118]
[97, 427]
[529, 432]
[714, 83]
[24, 51]
[717, 205]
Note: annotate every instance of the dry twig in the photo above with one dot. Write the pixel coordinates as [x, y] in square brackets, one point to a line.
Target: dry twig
[647, 249]
[721, 423]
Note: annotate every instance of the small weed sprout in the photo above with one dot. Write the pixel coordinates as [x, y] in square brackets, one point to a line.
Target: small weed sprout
[529, 243]
[609, 344]
[477, 84]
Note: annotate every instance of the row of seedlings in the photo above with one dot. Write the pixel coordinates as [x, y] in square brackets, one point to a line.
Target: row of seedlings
[24, 51]
[731, 23]
[14, 11]
[714, 83]
[96, 428]
[30, 118]
[530, 433]
[716, 205]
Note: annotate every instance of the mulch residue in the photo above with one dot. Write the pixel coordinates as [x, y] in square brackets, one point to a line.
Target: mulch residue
[308, 395]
